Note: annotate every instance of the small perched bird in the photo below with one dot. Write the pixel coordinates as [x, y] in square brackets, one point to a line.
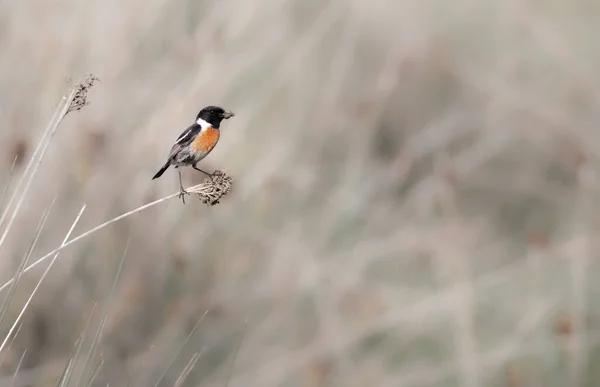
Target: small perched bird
[195, 143]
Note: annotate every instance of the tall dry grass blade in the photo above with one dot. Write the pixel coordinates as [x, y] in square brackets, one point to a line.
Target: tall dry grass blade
[61, 380]
[12, 340]
[187, 369]
[34, 157]
[96, 371]
[34, 164]
[75, 100]
[40, 281]
[189, 336]
[109, 302]
[80, 341]
[18, 368]
[206, 191]
[7, 185]
[24, 261]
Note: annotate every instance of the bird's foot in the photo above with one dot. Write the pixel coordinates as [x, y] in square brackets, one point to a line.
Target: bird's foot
[182, 193]
[215, 174]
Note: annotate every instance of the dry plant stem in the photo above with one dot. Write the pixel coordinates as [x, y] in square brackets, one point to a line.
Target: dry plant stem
[16, 323]
[75, 100]
[31, 161]
[24, 261]
[201, 189]
[10, 345]
[62, 380]
[187, 369]
[109, 302]
[18, 367]
[35, 163]
[96, 371]
[10, 176]
[78, 347]
[189, 336]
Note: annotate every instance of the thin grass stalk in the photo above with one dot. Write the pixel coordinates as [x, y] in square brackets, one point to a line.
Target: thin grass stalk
[189, 336]
[36, 163]
[79, 345]
[7, 185]
[187, 369]
[96, 371]
[107, 307]
[24, 261]
[40, 282]
[203, 190]
[31, 162]
[14, 379]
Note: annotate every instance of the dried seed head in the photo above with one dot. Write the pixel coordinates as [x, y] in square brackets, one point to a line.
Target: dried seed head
[81, 90]
[214, 188]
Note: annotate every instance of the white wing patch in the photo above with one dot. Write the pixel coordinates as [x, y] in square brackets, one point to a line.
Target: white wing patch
[183, 135]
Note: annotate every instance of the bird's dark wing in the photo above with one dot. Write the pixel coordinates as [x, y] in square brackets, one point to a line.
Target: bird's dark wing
[184, 139]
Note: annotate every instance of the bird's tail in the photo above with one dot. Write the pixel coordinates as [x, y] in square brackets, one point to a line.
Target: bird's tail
[162, 170]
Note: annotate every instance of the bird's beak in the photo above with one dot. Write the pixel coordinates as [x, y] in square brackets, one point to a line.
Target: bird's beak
[228, 114]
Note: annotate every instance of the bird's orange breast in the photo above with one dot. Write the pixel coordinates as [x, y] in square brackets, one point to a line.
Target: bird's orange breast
[206, 140]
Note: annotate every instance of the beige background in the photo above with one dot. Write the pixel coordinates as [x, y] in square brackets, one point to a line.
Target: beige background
[415, 196]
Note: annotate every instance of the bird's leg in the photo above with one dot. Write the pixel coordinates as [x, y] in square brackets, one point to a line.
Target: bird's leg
[182, 191]
[206, 173]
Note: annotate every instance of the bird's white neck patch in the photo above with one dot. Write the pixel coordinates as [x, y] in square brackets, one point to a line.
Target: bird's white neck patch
[203, 124]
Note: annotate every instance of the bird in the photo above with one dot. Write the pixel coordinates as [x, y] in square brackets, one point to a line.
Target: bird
[195, 143]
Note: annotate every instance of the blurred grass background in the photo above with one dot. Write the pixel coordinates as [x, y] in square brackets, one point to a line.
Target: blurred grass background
[413, 205]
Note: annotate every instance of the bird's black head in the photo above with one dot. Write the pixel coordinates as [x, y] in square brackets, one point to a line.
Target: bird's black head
[213, 115]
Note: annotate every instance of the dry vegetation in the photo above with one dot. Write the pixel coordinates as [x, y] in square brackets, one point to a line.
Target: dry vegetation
[413, 197]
